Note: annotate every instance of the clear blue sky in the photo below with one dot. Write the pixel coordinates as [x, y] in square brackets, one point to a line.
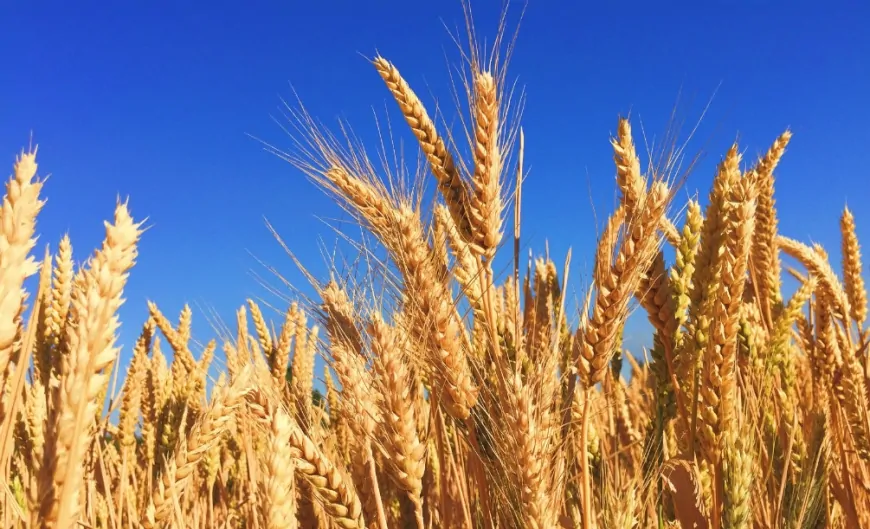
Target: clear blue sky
[153, 100]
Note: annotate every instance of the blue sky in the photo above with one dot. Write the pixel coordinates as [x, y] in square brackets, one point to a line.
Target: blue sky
[155, 101]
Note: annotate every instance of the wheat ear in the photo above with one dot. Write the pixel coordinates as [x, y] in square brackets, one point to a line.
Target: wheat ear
[401, 440]
[332, 488]
[485, 211]
[852, 278]
[453, 188]
[204, 435]
[765, 257]
[92, 350]
[280, 494]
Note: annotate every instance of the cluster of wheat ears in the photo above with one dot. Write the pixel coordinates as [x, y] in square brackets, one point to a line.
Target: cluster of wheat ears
[467, 395]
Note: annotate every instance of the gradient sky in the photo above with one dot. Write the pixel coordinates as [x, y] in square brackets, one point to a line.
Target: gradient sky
[156, 101]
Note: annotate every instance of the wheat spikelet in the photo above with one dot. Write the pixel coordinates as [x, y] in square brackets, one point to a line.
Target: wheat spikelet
[527, 444]
[539, 310]
[442, 331]
[853, 281]
[629, 177]
[718, 392]
[183, 361]
[831, 289]
[706, 266]
[280, 495]
[368, 200]
[43, 345]
[828, 354]
[739, 468]
[765, 257]
[849, 387]
[400, 230]
[401, 440]
[359, 396]
[781, 353]
[332, 488]
[204, 435]
[334, 491]
[279, 357]
[154, 401]
[185, 322]
[466, 269]
[263, 333]
[485, 206]
[337, 422]
[61, 288]
[605, 281]
[201, 373]
[656, 296]
[684, 267]
[628, 434]
[615, 287]
[133, 389]
[628, 174]
[303, 370]
[35, 416]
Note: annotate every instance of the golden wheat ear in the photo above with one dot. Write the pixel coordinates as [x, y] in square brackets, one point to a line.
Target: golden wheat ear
[765, 255]
[91, 338]
[398, 433]
[852, 276]
[450, 183]
[485, 205]
[18, 213]
[203, 436]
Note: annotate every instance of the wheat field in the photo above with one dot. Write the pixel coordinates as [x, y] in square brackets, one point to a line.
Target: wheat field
[458, 393]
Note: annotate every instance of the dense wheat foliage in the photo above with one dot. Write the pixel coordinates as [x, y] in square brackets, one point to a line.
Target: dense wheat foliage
[458, 393]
